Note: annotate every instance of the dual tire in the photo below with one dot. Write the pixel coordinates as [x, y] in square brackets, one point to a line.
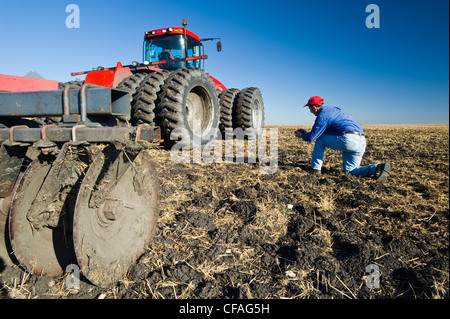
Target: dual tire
[186, 106]
[189, 108]
[244, 110]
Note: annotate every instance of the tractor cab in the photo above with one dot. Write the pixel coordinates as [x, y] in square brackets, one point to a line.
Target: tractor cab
[164, 49]
[175, 48]
[170, 47]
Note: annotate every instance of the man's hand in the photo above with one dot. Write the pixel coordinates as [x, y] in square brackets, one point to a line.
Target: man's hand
[300, 132]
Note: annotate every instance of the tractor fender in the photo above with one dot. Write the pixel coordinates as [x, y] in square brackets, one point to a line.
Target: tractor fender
[219, 86]
[107, 77]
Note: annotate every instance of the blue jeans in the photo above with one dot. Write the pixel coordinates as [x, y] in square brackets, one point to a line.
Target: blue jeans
[352, 147]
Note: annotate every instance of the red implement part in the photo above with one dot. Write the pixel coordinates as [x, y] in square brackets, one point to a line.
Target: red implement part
[11, 83]
[103, 78]
[108, 77]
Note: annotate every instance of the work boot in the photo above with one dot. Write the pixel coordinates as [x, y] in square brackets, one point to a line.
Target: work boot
[381, 171]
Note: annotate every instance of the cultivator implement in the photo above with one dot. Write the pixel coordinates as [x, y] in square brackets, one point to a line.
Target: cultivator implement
[82, 191]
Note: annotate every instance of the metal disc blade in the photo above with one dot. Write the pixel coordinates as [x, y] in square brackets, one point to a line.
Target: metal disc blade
[45, 251]
[5, 249]
[111, 235]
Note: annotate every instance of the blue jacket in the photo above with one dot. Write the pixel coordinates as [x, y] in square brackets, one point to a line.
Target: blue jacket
[332, 120]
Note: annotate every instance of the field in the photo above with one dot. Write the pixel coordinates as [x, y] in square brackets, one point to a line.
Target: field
[228, 231]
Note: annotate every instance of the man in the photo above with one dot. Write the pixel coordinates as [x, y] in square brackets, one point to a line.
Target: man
[336, 129]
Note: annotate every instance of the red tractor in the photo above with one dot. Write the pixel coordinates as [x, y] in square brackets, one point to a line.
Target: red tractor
[170, 89]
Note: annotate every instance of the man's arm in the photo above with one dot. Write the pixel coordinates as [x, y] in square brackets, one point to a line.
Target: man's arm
[320, 125]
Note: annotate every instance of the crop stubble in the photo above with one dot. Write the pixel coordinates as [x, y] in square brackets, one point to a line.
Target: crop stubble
[228, 231]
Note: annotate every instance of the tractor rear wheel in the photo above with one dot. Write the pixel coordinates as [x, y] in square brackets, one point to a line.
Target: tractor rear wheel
[250, 112]
[189, 108]
[227, 100]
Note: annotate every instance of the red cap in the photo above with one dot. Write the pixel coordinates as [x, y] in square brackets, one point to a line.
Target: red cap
[315, 100]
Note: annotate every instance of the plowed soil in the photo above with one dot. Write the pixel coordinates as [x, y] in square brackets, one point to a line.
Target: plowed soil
[228, 231]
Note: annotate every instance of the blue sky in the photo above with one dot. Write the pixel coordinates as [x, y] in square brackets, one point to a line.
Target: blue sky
[291, 50]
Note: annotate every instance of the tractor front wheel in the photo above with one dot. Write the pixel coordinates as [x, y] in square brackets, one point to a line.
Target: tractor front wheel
[131, 84]
[147, 97]
[189, 108]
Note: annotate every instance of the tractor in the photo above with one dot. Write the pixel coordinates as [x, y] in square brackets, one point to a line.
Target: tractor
[77, 182]
[170, 89]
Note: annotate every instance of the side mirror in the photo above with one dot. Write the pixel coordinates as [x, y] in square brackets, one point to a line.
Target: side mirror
[219, 46]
